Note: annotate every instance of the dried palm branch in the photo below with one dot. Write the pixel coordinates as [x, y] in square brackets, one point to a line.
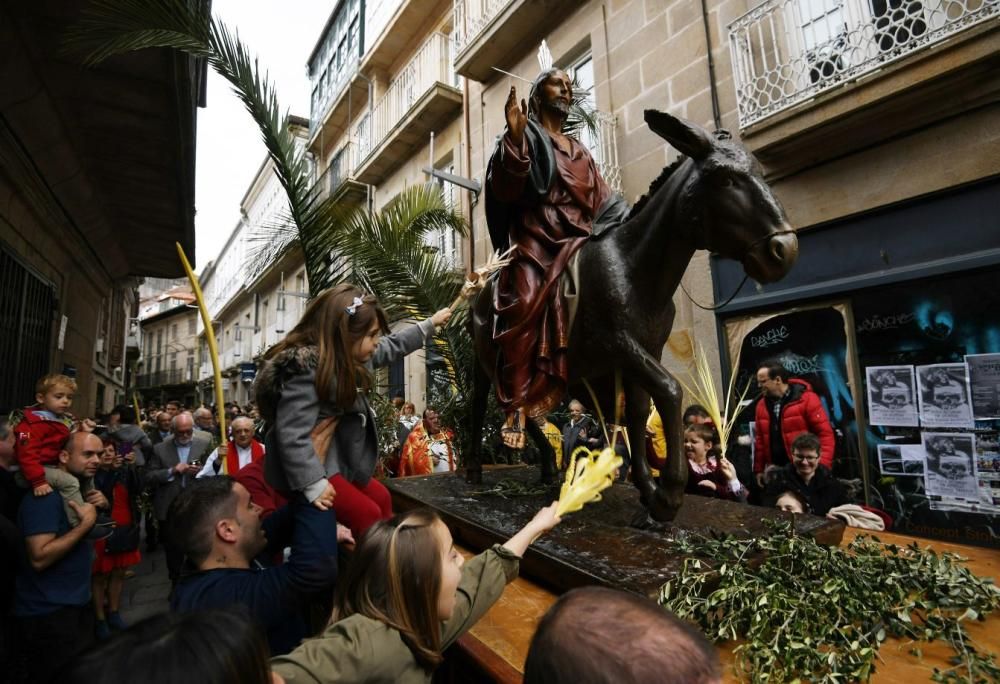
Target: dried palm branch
[701, 387]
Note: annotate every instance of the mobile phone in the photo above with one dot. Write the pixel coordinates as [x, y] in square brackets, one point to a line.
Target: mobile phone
[125, 448]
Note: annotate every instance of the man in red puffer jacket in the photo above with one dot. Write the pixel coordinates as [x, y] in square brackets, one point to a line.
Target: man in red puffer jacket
[786, 409]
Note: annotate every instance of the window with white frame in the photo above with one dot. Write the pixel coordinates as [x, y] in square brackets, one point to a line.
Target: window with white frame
[447, 241]
[582, 73]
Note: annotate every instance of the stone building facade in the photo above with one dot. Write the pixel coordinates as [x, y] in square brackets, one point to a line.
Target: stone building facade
[96, 186]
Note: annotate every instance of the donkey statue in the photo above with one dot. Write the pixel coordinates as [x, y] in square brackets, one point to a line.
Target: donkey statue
[714, 197]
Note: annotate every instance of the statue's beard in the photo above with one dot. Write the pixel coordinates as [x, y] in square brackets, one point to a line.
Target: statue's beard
[557, 106]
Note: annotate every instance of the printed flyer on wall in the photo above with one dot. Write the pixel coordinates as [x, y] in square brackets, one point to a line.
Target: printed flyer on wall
[902, 460]
[984, 382]
[950, 468]
[944, 396]
[892, 397]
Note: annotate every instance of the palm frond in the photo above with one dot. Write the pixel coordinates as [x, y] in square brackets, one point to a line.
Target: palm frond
[114, 27]
[384, 252]
[581, 113]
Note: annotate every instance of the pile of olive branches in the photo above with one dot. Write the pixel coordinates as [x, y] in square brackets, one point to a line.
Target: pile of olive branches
[808, 612]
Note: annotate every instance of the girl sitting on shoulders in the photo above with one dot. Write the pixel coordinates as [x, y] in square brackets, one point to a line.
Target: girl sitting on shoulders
[311, 391]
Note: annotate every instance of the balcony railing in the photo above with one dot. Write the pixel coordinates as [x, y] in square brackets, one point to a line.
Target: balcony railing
[341, 169]
[787, 51]
[329, 91]
[605, 150]
[471, 17]
[431, 64]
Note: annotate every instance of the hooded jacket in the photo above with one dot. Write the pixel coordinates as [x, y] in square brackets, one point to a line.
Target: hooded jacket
[801, 411]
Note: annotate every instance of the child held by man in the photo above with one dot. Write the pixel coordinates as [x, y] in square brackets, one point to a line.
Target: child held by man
[41, 431]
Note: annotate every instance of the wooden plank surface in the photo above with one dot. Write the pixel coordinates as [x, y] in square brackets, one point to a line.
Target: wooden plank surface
[506, 630]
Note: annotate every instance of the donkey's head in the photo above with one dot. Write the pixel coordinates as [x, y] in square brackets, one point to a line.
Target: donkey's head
[725, 200]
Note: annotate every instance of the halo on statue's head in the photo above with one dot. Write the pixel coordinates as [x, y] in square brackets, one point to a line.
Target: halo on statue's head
[545, 60]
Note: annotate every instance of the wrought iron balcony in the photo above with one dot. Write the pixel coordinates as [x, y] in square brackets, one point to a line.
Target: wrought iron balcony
[785, 52]
[490, 33]
[421, 98]
[605, 150]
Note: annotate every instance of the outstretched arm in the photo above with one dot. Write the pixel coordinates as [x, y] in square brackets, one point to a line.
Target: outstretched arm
[407, 340]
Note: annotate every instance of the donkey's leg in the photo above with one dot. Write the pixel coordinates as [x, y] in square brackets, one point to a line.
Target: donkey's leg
[646, 370]
[636, 414]
[481, 388]
[546, 454]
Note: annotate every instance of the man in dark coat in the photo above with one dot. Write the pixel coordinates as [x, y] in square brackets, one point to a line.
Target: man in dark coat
[807, 478]
[787, 408]
[580, 431]
[175, 463]
[219, 528]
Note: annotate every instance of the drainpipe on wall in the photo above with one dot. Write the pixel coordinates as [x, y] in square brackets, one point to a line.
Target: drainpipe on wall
[468, 172]
[716, 114]
[371, 97]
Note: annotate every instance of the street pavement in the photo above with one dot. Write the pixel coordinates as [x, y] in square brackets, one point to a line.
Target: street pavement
[146, 593]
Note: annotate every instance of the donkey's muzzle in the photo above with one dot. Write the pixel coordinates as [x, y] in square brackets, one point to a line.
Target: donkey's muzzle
[772, 259]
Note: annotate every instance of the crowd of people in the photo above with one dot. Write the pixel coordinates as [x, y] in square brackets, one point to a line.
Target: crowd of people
[279, 529]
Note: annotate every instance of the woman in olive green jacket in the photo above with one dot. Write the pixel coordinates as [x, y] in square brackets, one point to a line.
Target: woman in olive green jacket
[407, 596]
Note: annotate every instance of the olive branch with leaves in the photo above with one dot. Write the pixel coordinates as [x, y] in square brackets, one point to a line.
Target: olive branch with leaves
[808, 612]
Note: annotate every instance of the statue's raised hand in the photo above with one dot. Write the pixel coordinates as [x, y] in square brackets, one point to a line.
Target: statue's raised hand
[517, 117]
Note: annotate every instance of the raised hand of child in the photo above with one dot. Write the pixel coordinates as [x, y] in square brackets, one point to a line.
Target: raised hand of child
[86, 512]
[42, 490]
[87, 425]
[543, 521]
[325, 500]
[441, 317]
[546, 518]
[728, 469]
[344, 535]
[96, 498]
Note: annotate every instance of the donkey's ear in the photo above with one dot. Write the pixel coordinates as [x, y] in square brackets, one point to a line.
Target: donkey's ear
[688, 138]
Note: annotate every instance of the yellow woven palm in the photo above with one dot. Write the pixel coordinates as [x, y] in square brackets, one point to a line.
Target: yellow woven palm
[589, 473]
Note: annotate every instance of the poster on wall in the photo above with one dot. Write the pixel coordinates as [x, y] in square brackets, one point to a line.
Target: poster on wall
[984, 381]
[951, 466]
[902, 460]
[988, 468]
[892, 397]
[944, 395]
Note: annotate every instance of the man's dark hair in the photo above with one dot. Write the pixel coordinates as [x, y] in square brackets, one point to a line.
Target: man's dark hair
[126, 415]
[599, 635]
[535, 93]
[694, 410]
[192, 515]
[201, 647]
[807, 441]
[174, 402]
[775, 370]
[427, 410]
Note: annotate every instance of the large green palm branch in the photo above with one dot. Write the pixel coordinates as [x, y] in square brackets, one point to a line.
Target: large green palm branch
[384, 252]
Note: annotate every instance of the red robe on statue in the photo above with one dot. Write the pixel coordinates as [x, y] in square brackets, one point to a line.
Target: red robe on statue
[531, 324]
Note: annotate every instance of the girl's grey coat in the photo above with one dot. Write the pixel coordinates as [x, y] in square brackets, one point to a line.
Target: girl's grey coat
[286, 395]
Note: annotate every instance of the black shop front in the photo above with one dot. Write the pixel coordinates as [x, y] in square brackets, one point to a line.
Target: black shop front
[893, 316]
